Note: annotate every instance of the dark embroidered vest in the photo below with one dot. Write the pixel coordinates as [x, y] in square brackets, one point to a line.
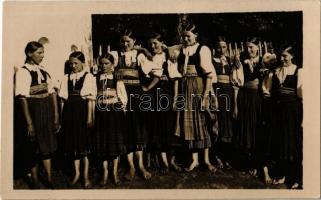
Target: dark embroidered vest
[75, 89]
[219, 68]
[35, 87]
[194, 59]
[289, 86]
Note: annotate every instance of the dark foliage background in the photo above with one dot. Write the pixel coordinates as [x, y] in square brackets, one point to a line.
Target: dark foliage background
[280, 28]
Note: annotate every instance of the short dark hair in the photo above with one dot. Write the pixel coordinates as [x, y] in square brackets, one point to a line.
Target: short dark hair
[79, 55]
[32, 47]
[288, 49]
[129, 33]
[157, 36]
[254, 40]
[190, 27]
[107, 56]
[219, 39]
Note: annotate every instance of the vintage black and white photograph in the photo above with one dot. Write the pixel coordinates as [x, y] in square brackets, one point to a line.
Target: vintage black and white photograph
[156, 100]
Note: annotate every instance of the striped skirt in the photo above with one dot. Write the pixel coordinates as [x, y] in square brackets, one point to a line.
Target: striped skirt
[191, 120]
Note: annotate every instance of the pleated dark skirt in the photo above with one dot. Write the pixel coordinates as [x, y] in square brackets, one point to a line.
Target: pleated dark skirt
[248, 122]
[135, 122]
[264, 138]
[287, 133]
[225, 96]
[108, 132]
[27, 152]
[161, 126]
[76, 138]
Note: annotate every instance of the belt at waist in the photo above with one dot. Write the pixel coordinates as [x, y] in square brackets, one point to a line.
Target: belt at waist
[126, 72]
[190, 71]
[109, 92]
[131, 82]
[163, 78]
[252, 84]
[223, 78]
[41, 88]
[286, 90]
[39, 96]
[74, 93]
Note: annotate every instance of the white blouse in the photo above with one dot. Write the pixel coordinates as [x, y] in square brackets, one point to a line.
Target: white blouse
[146, 65]
[88, 90]
[237, 76]
[24, 79]
[130, 57]
[205, 60]
[150, 67]
[173, 70]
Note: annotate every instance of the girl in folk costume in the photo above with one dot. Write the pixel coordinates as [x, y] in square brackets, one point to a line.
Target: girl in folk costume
[192, 96]
[264, 141]
[162, 121]
[36, 114]
[109, 116]
[248, 108]
[78, 94]
[131, 70]
[284, 85]
[225, 93]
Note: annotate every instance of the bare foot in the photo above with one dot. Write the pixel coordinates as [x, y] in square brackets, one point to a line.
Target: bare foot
[75, 180]
[130, 175]
[193, 166]
[87, 184]
[295, 186]
[253, 172]
[228, 166]
[104, 179]
[279, 181]
[116, 179]
[176, 167]
[211, 167]
[146, 175]
[219, 162]
[267, 178]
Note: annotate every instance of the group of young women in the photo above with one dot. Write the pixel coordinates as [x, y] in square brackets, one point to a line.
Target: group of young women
[258, 104]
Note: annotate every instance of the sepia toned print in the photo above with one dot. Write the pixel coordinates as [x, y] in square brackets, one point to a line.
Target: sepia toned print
[186, 99]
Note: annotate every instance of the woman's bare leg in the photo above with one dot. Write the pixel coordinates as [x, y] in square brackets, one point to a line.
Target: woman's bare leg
[147, 175]
[77, 171]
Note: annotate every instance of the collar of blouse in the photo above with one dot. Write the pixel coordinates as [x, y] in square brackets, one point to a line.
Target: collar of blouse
[282, 72]
[35, 68]
[254, 60]
[77, 76]
[131, 53]
[221, 59]
[190, 50]
[106, 76]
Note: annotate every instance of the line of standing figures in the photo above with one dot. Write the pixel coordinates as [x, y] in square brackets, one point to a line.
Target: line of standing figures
[254, 116]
